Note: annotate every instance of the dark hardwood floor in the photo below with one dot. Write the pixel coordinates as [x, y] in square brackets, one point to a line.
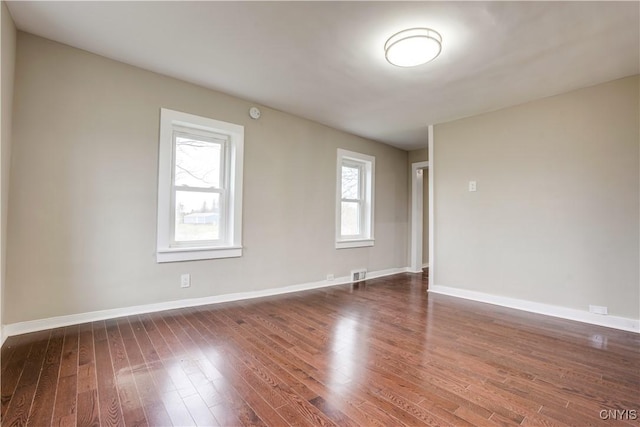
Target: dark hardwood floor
[378, 353]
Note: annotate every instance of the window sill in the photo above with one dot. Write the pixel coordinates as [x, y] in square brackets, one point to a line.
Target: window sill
[195, 254]
[356, 243]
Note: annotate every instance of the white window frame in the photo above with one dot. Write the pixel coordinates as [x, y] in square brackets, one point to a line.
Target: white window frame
[232, 137]
[366, 165]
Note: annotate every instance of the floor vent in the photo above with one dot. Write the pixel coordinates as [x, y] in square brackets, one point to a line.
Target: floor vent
[358, 275]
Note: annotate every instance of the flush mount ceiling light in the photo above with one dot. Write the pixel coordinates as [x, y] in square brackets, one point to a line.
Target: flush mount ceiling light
[412, 47]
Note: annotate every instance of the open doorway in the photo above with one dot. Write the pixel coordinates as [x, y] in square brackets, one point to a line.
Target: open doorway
[419, 221]
[422, 221]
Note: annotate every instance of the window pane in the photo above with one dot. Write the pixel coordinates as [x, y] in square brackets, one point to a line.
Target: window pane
[350, 182]
[350, 222]
[197, 162]
[197, 216]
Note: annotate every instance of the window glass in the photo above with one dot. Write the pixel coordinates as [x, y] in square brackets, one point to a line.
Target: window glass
[350, 182]
[197, 216]
[198, 162]
[350, 219]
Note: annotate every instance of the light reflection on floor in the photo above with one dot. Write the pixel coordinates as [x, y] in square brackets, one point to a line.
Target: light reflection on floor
[348, 353]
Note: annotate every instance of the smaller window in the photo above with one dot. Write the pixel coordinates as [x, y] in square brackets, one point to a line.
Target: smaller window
[354, 199]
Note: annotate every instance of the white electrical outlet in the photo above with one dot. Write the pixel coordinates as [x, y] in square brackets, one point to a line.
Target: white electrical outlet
[330, 277]
[598, 309]
[185, 280]
[472, 186]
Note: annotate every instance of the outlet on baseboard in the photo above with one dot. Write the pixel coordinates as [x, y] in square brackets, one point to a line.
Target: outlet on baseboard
[358, 275]
[185, 280]
[330, 277]
[598, 309]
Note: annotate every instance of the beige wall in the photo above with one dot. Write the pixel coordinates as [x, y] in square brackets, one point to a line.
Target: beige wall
[421, 155]
[82, 219]
[7, 66]
[555, 219]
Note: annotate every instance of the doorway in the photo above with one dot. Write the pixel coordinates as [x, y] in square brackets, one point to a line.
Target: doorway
[419, 173]
[422, 214]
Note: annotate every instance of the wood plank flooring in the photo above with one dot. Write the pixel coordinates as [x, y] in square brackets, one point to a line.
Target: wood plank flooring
[379, 353]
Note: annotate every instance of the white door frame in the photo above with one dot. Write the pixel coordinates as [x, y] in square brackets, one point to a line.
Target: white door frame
[417, 211]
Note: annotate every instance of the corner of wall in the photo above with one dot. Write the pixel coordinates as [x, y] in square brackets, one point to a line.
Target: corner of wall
[7, 74]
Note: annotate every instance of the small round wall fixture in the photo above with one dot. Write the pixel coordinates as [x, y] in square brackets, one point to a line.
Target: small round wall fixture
[412, 47]
[254, 113]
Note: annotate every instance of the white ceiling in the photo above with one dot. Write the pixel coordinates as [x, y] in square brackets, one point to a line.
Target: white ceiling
[325, 60]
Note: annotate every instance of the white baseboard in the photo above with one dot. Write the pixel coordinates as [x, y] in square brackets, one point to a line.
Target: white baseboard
[75, 319]
[623, 323]
[3, 337]
[426, 265]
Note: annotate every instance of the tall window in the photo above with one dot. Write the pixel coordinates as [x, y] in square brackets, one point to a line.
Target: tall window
[354, 204]
[199, 188]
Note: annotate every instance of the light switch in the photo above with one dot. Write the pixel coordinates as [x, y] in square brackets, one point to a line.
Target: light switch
[472, 186]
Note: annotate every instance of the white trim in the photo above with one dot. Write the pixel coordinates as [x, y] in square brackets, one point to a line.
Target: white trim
[425, 265]
[622, 323]
[195, 253]
[432, 206]
[417, 214]
[417, 211]
[3, 336]
[359, 243]
[74, 319]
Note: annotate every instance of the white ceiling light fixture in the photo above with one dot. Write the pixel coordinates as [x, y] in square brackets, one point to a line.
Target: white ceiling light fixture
[412, 47]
